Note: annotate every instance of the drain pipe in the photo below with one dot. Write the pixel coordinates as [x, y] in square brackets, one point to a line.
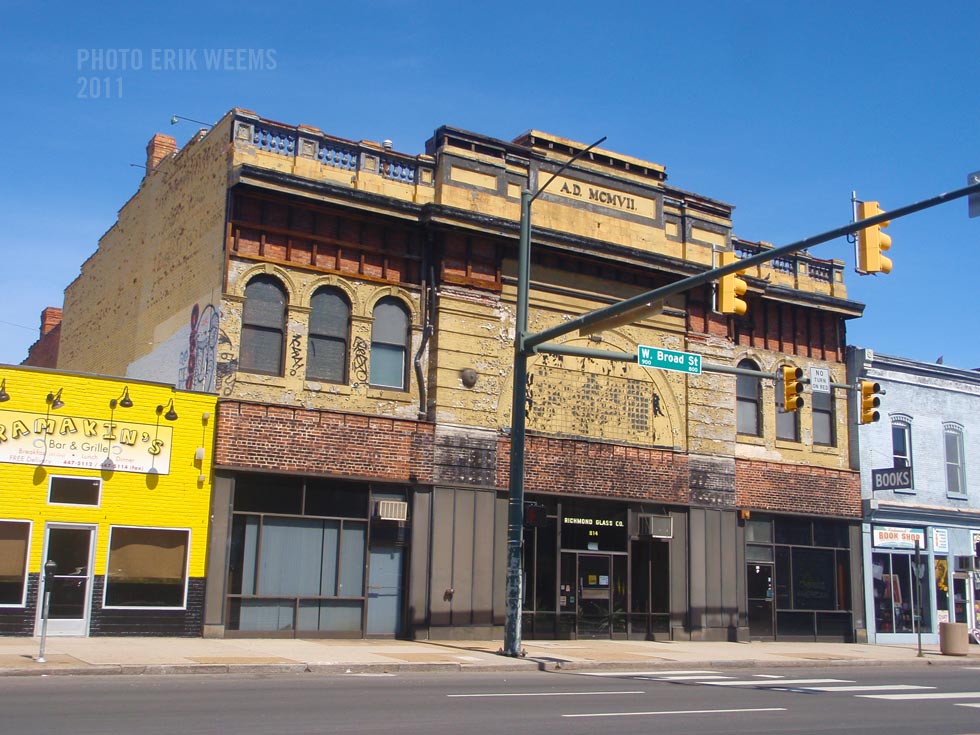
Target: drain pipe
[426, 334]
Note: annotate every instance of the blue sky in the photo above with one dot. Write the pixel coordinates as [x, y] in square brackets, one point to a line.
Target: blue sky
[779, 108]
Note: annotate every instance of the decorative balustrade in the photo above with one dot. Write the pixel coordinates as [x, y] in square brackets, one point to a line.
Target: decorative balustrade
[332, 153]
[346, 156]
[815, 269]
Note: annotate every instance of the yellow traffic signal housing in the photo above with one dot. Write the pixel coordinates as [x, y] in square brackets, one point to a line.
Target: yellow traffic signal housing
[792, 387]
[872, 242]
[731, 288]
[869, 402]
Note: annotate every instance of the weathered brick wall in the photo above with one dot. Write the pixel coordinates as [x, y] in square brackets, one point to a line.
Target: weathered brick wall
[321, 442]
[798, 489]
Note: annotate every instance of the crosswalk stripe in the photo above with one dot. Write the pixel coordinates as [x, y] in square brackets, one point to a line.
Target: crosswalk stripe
[868, 688]
[644, 673]
[689, 677]
[775, 682]
[967, 704]
[931, 695]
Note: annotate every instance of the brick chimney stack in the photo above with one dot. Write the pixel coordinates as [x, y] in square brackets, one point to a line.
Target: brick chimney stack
[159, 147]
[50, 318]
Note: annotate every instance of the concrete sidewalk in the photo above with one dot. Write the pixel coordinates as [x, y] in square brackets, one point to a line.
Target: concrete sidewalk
[136, 656]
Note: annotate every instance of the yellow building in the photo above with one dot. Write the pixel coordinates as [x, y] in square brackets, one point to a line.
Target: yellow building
[110, 479]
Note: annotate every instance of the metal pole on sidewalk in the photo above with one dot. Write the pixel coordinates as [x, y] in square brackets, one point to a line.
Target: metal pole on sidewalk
[918, 574]
[50, 568]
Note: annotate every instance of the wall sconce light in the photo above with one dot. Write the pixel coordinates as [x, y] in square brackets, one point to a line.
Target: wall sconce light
[177, 118]
[170, 415]
[124, 400]
[54, 400]
[4, 396]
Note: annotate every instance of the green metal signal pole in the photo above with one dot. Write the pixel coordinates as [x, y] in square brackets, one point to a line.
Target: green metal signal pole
[527, 344]
[518, 420]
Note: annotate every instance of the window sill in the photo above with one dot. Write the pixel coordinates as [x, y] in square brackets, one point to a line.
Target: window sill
[750, 439]
[390, 394]
[826, 449]
[324, 388]
[278, 381]
[957, 496]
[789, 444]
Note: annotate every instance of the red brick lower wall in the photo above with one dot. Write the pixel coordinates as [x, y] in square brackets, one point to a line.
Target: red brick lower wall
[797, 489]
[298, 440]
[589, 468]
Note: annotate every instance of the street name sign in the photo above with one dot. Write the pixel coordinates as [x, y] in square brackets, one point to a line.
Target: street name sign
[657, 357]
[973, 201]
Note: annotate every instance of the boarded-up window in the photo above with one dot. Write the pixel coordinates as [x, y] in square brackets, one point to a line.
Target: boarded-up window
[326, 354]
[147, 567]
[14, 537]
[263, 325]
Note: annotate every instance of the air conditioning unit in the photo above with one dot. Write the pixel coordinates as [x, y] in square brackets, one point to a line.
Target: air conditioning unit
[391, 510]
[656, 526]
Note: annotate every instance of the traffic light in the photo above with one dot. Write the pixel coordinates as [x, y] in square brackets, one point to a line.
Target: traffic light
[730, 288]
[872, 242]
[535, 515]
[869, 401]
[792, 387]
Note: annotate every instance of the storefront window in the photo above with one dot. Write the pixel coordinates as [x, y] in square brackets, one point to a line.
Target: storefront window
[897, 592]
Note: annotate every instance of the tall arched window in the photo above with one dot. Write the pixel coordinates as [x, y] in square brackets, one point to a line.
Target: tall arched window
[389, 344]
[955, 474]
[263, 326]
[748, 419]
[787, 422]
[326, 354]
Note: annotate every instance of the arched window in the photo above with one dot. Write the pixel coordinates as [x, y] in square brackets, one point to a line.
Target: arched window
[389, 344]
[329, 337]
[955, 474]
[787, 422]
[747, 395]
[263, 326]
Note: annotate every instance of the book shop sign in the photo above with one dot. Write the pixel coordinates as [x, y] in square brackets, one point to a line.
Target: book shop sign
[898, 538]
[78, 441]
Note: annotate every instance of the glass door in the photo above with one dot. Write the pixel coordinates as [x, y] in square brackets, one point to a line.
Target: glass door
[70, 547]
[760, 597]
[594, 596]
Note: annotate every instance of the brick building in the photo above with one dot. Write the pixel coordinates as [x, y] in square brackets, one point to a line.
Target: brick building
[917, 486]
[354, 309]
[111, 480]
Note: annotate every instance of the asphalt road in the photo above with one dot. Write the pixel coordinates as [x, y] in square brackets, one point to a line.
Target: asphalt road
[830, 699]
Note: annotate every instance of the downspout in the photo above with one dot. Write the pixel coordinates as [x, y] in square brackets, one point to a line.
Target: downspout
[426, 334]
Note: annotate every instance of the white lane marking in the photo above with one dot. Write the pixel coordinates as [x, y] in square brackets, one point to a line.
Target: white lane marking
[935, 695]
[687, 677]
[539, 694]
[868, 688]
[775, 682]
[643, 673]
[967, 704]
[681, 712]
[768, 676]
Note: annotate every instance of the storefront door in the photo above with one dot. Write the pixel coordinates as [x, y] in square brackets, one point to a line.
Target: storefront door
[385, 591]
[70, 547]
[594, 596]
[760, 598]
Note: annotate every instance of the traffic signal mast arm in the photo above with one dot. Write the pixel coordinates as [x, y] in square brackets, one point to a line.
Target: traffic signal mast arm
[532, 341]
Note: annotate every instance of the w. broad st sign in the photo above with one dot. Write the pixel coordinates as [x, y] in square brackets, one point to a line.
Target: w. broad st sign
[657, 357]
[893, 478]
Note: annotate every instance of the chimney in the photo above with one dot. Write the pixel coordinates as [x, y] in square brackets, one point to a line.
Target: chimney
[159, 147]
[50, 318]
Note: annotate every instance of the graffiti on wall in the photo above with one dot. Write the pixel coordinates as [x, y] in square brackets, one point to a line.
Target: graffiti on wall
[295, 355]
[360, 360]
[198, 363]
